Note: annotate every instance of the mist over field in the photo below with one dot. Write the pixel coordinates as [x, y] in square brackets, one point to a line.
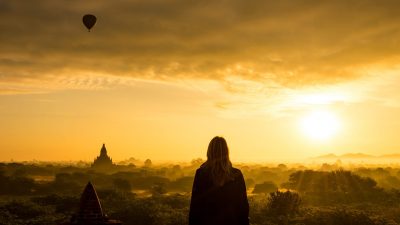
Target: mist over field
[140, 192]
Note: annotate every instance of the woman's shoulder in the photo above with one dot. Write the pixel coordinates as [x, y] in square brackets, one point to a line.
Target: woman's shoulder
[236, 172]
[204, 167]
[201, 170]
[204, 170]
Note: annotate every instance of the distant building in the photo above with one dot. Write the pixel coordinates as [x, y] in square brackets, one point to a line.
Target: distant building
[90, 211]
[103, 161]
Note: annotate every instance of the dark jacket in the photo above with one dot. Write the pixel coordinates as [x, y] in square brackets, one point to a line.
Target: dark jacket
[213, 205]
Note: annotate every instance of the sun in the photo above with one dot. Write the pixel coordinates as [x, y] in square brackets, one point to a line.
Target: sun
[320, 125]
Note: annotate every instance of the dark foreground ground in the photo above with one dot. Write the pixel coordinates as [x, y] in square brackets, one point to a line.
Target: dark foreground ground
[49, 194]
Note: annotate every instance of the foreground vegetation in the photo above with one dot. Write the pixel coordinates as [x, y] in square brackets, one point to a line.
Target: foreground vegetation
[49, 194]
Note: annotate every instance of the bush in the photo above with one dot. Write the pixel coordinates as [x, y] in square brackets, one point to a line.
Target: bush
[283, 203]
[122, 185]
[158, 189]
[266, 187]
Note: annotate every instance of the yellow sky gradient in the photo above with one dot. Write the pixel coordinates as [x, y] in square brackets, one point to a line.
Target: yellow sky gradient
[158, 79]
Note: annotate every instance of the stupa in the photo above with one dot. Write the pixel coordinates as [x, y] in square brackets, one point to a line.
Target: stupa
[103, 161]
[90, 211]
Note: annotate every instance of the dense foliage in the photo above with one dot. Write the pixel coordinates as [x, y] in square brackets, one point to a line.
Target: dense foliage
[49, 194]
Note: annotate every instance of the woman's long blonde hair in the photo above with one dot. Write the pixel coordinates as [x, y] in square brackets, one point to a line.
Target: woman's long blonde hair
[218, 161]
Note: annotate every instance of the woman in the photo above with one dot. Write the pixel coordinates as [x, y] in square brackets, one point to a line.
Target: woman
[219, 192]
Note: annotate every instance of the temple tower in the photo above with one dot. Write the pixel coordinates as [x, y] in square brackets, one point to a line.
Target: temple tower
[103, 161]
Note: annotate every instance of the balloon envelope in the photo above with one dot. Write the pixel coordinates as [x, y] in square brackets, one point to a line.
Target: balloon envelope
[89, 21]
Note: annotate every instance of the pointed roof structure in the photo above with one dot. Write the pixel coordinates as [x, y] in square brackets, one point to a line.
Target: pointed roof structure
[103, 151]
[90, 204]
[90, 211]
[103, 162]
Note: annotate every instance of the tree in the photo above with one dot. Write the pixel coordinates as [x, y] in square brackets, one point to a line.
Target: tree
[182, 184]
[158, 189]
[339, 182]
[197, 162]
[147, 163]
[266, 187]
[249, 182]
[283, 203]
[122, 185]
[282, 167]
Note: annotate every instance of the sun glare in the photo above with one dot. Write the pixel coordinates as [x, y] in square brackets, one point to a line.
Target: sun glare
[320, 125]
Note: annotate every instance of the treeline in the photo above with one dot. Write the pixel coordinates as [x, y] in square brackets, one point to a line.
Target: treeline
[278, 195]
[277, 208]
[335, 186]
[72, 183]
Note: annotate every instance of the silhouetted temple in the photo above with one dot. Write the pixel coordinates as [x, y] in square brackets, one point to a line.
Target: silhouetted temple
[103, 161]
[90, 211]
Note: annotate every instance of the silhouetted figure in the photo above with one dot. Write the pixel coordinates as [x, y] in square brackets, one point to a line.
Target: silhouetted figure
[219, 191]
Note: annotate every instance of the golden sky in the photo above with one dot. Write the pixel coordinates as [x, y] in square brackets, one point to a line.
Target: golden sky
[159, 78]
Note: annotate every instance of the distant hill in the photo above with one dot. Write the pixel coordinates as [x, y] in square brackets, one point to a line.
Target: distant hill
[332, 156]
[357, 156]
[393, 156]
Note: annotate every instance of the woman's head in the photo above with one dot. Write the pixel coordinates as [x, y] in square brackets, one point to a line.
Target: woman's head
[218, 150]
[218, 161]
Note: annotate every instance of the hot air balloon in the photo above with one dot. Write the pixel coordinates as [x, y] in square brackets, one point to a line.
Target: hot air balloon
[89, 21]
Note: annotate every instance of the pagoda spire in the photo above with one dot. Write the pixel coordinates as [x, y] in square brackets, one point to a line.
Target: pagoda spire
[103, 161]
[103, 151]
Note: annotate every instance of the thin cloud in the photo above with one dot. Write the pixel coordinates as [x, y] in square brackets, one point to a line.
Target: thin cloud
[275, 43]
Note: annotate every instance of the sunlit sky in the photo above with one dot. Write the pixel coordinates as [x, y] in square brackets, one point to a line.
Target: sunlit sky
[280, 80]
